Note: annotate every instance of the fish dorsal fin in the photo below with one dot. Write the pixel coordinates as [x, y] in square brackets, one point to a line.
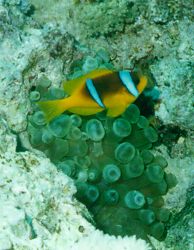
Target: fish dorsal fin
[128, 82]
[93, 92]
[71, 85]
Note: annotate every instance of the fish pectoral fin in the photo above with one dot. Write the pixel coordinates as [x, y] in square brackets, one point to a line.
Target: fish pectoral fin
[142, 84]
[116, 111]
[85, 111]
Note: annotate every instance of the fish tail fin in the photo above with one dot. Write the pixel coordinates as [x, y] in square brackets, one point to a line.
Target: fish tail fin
[54, 108]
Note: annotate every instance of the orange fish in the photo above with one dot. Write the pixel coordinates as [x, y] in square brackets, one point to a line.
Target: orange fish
[99, 90]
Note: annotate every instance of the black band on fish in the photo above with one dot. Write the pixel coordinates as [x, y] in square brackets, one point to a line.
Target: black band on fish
[135, 78]
[92, 90]
[128, 82]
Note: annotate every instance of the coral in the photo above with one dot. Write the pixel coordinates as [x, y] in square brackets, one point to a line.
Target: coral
[116, 175]
[175, 109]
[111, 16]
[35, 44]
[183, 221]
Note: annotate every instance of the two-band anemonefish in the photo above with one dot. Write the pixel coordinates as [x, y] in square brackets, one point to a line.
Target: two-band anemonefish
[99, 90]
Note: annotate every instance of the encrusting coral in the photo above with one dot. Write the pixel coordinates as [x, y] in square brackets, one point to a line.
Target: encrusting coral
[117, 177]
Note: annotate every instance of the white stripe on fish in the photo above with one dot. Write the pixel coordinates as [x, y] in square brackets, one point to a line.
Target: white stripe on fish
[92, 90]
[128, 82]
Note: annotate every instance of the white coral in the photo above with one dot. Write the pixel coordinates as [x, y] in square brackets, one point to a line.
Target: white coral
[37, 210]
